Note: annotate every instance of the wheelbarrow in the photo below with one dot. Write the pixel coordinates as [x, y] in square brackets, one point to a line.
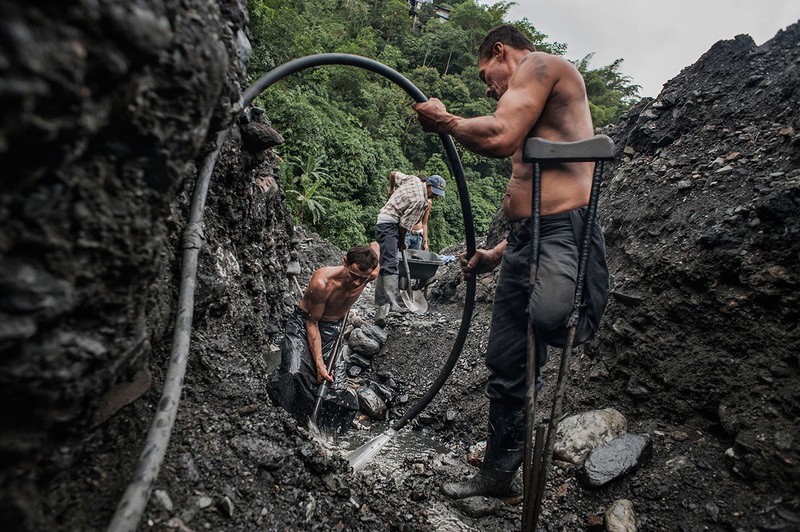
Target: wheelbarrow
[419, 265]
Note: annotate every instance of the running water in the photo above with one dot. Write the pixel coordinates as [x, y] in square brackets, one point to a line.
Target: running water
[390, 460]
[362, 456]
[443, 519]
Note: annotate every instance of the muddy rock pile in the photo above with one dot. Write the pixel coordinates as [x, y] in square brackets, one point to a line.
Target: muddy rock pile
[702, 218]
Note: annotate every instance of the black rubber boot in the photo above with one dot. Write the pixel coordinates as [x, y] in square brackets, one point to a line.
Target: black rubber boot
[390, 287]
[504, 451]
[381, 302]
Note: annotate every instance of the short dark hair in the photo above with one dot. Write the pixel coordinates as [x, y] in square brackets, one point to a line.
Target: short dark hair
[363, 256]
[506, 34]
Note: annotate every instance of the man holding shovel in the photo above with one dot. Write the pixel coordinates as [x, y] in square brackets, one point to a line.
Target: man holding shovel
[311, 333]
[539, 95]
[408, 199]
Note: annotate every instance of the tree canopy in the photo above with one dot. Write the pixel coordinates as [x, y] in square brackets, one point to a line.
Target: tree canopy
[355, 127]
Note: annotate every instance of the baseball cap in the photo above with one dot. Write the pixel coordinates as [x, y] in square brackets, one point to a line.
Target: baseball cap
[437, 184]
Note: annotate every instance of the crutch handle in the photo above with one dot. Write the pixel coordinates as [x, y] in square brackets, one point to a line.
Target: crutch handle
[597, 148]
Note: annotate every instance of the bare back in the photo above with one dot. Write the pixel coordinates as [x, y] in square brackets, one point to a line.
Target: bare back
[556, 90]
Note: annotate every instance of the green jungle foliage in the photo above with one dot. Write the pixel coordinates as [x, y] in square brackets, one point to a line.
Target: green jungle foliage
[346, 128]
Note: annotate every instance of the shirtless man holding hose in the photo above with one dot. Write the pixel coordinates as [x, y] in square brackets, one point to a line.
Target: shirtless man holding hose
[538, 95]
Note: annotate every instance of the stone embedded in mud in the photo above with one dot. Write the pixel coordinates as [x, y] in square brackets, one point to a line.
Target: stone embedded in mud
[614, 459]
[383, 391]
[163, 499]
[624, 329]
[783, 440]
[478, 506]
[620, 517]
[257, 137]
[187, 461]
[360, 361]
[204, 502]
[577, 435]
[265, 454]
[225, 507]
[14, 328]
[376, 333]
[30, 290]
[712, 511]
[426, 418]
[363, 344]
[475, 453]
[370, 403]
[293, 268]
[728, 419]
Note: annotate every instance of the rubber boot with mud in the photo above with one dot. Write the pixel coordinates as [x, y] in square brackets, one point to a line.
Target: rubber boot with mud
[504, 451]
[381, 302]
[390, 287]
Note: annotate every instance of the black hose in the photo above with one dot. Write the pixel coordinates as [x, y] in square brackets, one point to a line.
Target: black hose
[456, 169]
[131, 507]
[133, 502]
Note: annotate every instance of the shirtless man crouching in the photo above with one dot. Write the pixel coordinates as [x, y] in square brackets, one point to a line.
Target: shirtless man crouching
[312, 330]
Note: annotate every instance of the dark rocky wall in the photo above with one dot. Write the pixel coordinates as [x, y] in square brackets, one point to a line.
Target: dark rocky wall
[702, 218]
[105, 107]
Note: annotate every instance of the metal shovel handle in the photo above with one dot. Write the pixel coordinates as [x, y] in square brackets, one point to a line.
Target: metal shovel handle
[332, 359]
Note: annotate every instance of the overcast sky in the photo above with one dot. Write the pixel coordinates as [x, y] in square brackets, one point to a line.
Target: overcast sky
[656, 40]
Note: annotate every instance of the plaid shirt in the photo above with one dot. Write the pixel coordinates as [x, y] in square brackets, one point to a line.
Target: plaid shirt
[408, 202]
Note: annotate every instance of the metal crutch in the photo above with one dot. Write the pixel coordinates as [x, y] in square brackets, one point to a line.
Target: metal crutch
[537, 462]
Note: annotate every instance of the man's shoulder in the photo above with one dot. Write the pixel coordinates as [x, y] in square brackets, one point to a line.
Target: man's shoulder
[537, 63]
[551, 73]
[544, 56]
[402, 178]
[322, 276]
[324, 270]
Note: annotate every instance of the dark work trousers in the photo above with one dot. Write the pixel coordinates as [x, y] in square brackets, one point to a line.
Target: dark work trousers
[294, 385]
[387, 235]
[550, 301]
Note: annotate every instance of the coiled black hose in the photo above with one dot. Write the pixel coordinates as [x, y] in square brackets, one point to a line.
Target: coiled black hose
[456, 169]
[132, 505]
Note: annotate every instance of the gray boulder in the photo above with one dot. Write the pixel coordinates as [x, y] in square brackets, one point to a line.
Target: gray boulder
[614, 459]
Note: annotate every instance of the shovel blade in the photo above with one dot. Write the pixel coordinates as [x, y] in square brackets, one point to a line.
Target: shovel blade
[420, 301]
[411, 302]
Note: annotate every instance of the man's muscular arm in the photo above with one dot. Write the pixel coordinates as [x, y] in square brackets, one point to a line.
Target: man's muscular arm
[377, 250]
[518, 110]
[313, 303]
